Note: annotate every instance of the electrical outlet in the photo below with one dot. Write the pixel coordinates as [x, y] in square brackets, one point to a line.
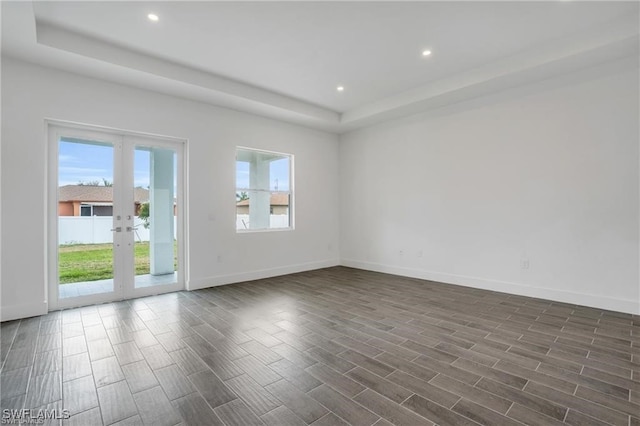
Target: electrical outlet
[401, 252]
[524, 264]
[419, 253]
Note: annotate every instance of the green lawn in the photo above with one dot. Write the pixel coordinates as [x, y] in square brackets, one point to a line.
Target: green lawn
[90, 262]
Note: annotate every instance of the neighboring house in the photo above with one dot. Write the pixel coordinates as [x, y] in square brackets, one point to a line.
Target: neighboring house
[279, 204]
[88, 200]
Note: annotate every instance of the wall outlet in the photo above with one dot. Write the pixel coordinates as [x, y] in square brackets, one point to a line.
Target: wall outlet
[524, 264]
[219, 258]
[419, 253]
[401, 252]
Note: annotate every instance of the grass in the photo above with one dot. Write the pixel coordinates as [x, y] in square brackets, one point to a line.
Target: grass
[90, 262]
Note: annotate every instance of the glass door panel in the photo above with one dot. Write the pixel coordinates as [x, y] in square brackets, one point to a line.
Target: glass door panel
[155, 226]
[85, 218]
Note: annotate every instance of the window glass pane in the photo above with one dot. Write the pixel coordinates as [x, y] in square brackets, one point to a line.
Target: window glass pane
[279, 171]
[279, 210]
[263, 190]
[242, 174]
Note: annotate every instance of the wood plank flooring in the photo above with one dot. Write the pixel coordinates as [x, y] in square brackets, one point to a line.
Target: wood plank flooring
[329, 347]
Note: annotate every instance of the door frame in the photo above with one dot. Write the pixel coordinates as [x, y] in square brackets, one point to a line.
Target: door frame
[123, 289]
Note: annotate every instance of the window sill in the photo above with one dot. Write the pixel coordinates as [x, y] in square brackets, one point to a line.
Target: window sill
[255, 231]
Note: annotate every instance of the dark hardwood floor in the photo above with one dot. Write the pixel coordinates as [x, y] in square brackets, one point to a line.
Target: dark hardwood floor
[328, 347]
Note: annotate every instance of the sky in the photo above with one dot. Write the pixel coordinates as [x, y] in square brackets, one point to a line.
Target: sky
[278, 175]
[84, 162]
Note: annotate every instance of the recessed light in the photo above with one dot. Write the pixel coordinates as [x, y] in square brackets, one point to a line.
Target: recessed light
[153, 17]
[340, 89]
[426, 53]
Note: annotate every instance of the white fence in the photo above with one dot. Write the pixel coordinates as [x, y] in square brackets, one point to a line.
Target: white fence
[95, 230]
[277, 221]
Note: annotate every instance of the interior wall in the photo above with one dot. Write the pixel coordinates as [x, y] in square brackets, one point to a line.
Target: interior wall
[533, 195]
[217, 254]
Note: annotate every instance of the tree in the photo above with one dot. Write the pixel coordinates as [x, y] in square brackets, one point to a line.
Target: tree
[105, 182]
[143, 214]
[242, 196]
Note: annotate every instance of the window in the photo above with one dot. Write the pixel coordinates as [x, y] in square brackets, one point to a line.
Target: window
[263, 190]
[96, 210]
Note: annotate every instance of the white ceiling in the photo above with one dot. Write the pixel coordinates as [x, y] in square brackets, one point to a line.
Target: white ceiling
[285, 59]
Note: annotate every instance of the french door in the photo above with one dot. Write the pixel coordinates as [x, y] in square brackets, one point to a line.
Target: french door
[115, 216]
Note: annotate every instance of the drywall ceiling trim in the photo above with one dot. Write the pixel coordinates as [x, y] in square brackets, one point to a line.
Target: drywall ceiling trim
[586, 49]
[73, 52]
[69, 41]
[627, 48]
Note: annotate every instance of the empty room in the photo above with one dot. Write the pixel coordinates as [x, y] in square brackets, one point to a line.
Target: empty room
[320, 213]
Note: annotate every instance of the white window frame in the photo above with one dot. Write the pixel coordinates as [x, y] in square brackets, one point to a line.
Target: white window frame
[238, 190]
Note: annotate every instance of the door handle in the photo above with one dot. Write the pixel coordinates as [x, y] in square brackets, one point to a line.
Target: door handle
[117, 229]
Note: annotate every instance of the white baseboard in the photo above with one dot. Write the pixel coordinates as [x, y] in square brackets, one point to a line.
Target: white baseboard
[26, 310]
[591, 300]
[259, 274]
[8, 313]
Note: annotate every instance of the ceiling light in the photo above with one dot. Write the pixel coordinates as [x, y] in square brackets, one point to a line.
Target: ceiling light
[153, 17]
[426, 53]
[340, 89]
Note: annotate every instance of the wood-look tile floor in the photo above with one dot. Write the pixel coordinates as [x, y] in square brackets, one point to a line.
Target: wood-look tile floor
[329, 347]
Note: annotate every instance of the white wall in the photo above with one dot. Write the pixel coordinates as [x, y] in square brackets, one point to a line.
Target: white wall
[551, 177]
[217, 253]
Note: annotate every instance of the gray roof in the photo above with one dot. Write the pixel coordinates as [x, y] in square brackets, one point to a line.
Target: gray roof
[96, 194]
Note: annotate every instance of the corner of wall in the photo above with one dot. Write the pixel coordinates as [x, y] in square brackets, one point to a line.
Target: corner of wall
[218, 280]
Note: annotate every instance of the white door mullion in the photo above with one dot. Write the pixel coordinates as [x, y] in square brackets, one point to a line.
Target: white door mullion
[118, 220]
[127, 207]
